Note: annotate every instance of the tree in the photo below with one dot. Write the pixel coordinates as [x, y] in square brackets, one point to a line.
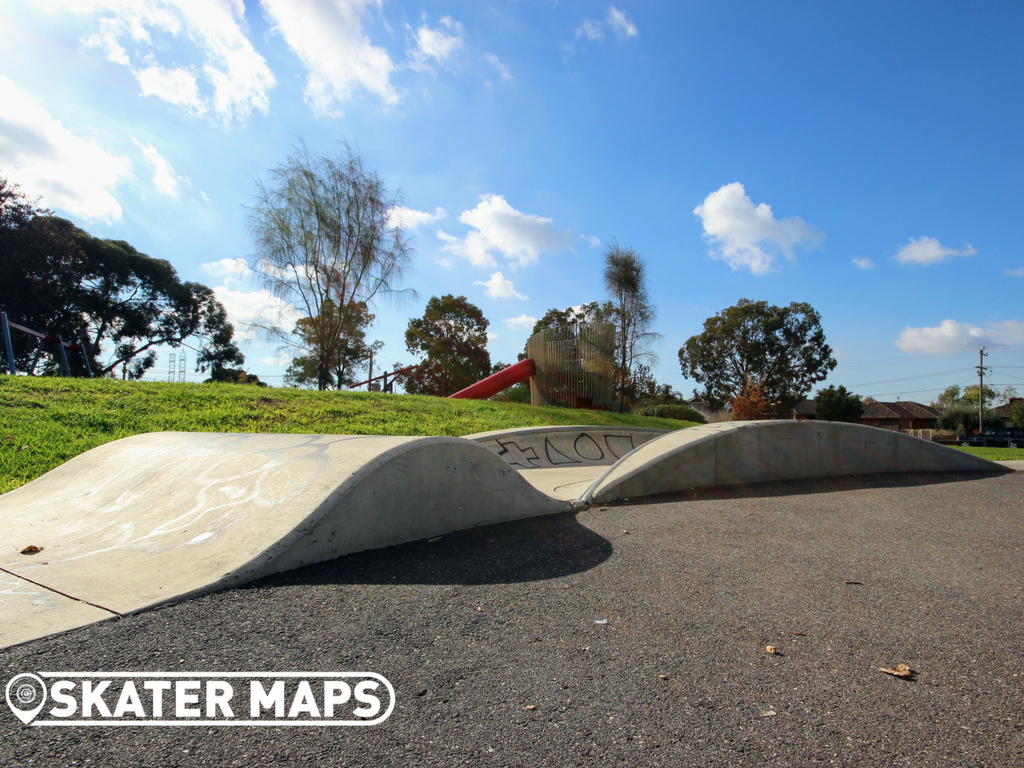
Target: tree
[1017, 414]
[120, 303]
[838, 404]
[625, 278]
[751, 403]
[962, 418]
[452, 334]
[346, 357]
[781, 349]
[324, 234]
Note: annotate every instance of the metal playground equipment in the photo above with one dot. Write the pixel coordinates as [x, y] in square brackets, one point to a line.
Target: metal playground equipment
[44, 338]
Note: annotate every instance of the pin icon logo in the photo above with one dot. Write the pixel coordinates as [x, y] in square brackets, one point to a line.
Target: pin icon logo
[24, 691]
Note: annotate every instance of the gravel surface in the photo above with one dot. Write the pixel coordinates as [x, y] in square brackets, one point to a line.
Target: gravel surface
[490, 640]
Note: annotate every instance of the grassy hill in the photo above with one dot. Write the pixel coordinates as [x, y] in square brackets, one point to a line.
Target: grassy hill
[45, 421]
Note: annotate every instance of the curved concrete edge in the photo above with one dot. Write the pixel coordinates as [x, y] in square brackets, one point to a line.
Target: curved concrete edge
[157, 518]
[761, 451]
[563, 447]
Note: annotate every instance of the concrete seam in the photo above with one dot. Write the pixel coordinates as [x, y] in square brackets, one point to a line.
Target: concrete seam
[62, 594]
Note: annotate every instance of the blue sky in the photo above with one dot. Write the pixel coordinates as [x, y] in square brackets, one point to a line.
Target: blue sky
[864, 157]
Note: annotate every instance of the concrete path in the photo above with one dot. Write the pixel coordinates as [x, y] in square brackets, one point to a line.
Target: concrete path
[157, 518]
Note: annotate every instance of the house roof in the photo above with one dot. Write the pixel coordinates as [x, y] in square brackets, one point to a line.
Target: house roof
[905, 409]
[804, 408]
[1004, 409]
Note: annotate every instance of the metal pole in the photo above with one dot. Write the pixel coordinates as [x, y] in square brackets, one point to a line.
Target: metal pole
[7, 344]
[85, 358]
[981, 391]
[64, 367]
[35, 358]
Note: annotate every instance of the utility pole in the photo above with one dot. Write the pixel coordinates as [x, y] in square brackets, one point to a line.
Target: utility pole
[371, 368]
[982, 354]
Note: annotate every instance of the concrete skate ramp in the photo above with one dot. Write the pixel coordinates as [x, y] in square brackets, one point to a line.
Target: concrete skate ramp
[155, 518]
[759, 451]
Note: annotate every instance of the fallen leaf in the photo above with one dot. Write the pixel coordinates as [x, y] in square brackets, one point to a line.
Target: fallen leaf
[480, 608]
[853, 582]
[663, 677]
[566, 586]
[900, 670]
[436, 538]
[802, 634]
[625, 531]
[600, 621]
[767, 712]
[32, 549]
[771, 649]
[530, 707]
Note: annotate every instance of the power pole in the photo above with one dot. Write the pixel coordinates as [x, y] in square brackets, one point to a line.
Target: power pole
[371, 368]
[982, 354]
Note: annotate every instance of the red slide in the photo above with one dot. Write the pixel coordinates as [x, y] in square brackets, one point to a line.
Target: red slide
[496, 382]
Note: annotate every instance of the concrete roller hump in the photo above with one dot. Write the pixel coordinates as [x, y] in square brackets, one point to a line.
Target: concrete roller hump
[156, 518]
[735, 452]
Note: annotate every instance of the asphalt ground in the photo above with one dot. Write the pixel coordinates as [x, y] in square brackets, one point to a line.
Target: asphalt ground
[490, 640]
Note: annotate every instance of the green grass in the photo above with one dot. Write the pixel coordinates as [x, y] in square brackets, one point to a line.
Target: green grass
[995, 454]
[44, 421]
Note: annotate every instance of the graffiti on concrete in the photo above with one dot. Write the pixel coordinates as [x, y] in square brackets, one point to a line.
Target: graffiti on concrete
[564, 449]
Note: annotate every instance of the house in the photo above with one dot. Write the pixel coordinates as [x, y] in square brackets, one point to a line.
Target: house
[900, 416]
[1004, 410]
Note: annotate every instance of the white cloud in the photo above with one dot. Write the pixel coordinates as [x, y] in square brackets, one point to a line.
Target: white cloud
[1019, 272]
[864, 263]
[592, 29]
[519, 237]
[618, 21]
[409, 218]
[498, 65]
[491, 336]
[749, 236]
[228, 270]
[237, 75]
[521, 323]
[245, 307]
[282, 358]
[177, 86]
[928, 250]
[328, 38]
[594, 242]
[164, 177]
[435, 44]
[46, 159]
[500, 288]
[953, 336]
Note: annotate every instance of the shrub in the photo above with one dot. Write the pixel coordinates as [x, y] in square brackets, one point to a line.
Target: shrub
[752, 403]
[962, 419]
[838, 404]
[1017, 414]
[671, 411]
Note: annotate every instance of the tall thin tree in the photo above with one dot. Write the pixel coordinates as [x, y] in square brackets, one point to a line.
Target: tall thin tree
[625, 278]
[324, 236]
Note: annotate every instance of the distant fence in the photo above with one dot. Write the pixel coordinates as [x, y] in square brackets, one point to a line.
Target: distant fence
[44, 338]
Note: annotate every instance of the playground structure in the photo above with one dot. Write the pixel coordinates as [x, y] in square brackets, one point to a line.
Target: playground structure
[160, 517]
[62, 348]
[571, 366]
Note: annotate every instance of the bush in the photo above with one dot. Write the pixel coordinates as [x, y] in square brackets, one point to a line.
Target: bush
[1017, 414]
[838, 404]
[963, 419]
[671, 411]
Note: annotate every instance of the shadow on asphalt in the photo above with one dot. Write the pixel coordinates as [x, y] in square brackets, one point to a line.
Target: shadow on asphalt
[780, 488]
[535, 549]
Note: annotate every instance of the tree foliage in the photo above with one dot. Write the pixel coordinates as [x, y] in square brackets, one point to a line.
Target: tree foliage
[838, 404]
[962, 418]
[954, 395]
[120, 303]
[324, 234]
[452, 335]
[780, 349]
[1017, 414]
[347, 356]
[752, 403]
